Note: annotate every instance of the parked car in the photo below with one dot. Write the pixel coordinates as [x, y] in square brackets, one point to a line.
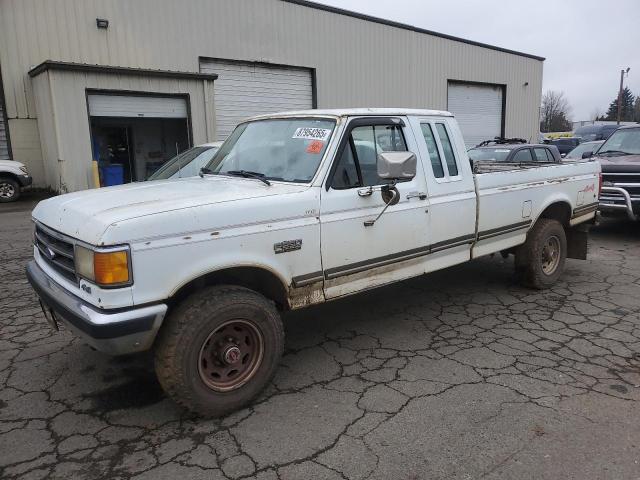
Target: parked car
[584, 150]
[13, 177]
[290, 213]
[589, 133]
[565, 144]
[514, 151]
[620, 160]
[187, 163]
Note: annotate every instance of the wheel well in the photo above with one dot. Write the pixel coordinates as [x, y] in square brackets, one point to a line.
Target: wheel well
[10, 175]
[560, 211]
[254, 278]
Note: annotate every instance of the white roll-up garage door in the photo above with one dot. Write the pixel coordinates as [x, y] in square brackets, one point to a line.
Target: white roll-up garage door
[246, 89]
[4, 144]
[478, 110]
[137, 106]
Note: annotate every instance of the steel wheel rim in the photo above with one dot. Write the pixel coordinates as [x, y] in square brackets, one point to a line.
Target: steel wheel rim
[7, 190]
[231, 355]
[550, 255]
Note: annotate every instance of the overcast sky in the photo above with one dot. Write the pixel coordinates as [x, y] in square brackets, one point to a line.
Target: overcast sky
[585, 42]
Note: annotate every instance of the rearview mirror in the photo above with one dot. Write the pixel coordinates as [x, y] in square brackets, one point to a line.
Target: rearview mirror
[587, 154]
[397, 165]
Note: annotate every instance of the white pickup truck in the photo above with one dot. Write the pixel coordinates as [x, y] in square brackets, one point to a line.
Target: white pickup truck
[295, 209]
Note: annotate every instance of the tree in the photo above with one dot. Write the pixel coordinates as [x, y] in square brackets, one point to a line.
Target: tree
[626, 109]
[636, 110]
[596, 113]
[554, 113]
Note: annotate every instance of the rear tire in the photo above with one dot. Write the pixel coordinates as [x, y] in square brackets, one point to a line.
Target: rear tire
[9, 190]
[541, 260]
[218, 349]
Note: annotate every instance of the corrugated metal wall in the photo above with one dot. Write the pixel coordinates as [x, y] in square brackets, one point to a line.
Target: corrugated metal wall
[358, 63]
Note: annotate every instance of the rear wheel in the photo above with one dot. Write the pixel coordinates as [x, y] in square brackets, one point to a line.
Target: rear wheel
[218, 349]
[540, 261]
[9, 190]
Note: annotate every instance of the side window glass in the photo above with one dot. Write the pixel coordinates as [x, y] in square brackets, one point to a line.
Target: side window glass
[358, 165]
[541, 154]
[523, 155]
[432, 148]
[447, 149]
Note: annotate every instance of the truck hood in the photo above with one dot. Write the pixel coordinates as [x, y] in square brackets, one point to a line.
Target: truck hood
[621, 164]
[86, 215]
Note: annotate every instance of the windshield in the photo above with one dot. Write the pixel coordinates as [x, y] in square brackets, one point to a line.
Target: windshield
[288, 149]
[489, 154]
[187, 164]
[583, 147]
[625, 141]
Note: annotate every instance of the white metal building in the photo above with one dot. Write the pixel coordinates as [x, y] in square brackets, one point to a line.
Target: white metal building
[131, 82]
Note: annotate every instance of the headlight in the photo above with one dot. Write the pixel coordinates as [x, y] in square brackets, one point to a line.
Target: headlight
[23, 169]
[109, 268]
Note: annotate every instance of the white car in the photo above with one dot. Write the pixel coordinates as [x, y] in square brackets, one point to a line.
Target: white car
[295, 209]
[187, 163]
[13, 177]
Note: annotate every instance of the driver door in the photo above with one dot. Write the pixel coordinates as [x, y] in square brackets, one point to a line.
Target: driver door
[357, 257]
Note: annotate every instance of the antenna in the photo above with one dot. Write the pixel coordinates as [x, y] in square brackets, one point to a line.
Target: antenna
[178, 159]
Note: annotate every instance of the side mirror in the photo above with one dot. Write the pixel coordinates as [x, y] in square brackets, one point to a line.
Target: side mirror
[393, 166]
[397, 165]
[587, 154]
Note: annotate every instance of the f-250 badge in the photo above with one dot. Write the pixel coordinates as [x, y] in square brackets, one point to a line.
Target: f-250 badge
[287, 246]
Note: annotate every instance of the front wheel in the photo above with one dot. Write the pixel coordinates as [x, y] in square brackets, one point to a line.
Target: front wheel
[218, 349]
[9, 190]
[540, 261]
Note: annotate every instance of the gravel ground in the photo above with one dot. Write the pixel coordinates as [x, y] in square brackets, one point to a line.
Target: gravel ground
[459, 374]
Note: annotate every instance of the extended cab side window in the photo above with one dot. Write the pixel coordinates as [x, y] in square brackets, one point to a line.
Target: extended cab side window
[432, 148]
[358, 164]
[447, 149]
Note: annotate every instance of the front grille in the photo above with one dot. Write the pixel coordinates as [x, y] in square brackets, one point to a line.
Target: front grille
[57, 251]
[629, 181]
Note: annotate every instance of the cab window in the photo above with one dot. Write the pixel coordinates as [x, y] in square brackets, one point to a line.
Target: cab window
[432, 148]
[447, 150]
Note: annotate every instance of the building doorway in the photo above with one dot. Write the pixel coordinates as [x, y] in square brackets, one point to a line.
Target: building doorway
[133, 136]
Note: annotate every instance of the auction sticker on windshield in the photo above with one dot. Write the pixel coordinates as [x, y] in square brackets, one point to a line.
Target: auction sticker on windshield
[306, 133]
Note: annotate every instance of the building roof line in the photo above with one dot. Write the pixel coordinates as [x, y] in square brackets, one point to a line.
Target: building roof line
[93, 68]
[404, 26]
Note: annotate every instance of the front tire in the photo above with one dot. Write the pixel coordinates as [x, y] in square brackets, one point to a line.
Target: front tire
[9, 190]
[541, 260]
[218, 349]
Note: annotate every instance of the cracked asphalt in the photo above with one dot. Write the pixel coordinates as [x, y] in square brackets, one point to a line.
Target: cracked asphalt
[459, 374]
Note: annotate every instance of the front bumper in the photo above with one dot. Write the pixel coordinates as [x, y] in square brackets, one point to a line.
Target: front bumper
[115, 332]
[619, 200]
[25, 180]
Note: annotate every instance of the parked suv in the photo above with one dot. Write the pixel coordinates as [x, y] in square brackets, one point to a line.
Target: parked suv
[513, 151]
[620, 160]
[589, 133]
[565, 144]
[13, 177]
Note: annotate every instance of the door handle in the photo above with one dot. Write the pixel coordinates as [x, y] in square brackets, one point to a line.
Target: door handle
[420, 195]
[365, 192]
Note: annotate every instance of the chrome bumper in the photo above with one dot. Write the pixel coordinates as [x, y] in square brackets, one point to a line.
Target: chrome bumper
[625, 203]
[114, 332]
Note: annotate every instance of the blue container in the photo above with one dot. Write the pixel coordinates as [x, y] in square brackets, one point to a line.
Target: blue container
[112, 175]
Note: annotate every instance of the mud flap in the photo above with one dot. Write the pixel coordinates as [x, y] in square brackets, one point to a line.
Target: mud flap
[577, 241]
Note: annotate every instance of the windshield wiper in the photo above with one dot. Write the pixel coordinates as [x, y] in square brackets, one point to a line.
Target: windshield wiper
[249, 174]
[617, 152]
[206, 171]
